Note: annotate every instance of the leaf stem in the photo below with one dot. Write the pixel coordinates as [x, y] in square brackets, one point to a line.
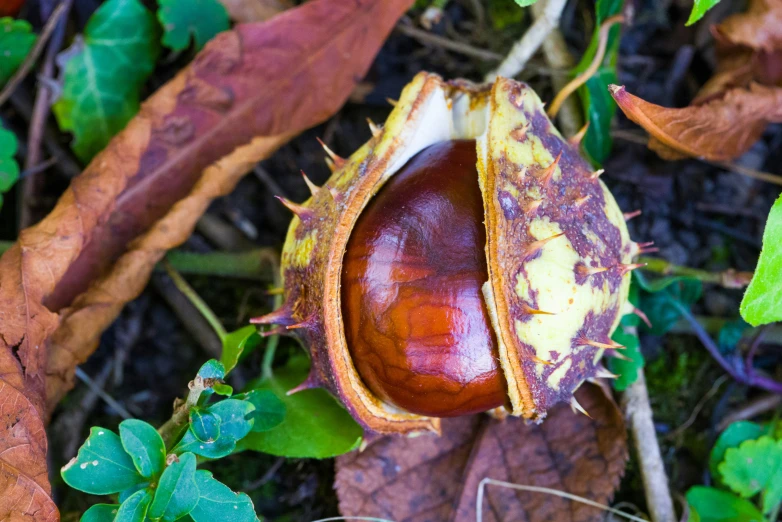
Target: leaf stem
[172, 429]
[749, 378]
[729, 278]
[196, 300]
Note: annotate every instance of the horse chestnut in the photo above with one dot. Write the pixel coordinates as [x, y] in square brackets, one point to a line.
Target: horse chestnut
[415, 320]
[465, 258]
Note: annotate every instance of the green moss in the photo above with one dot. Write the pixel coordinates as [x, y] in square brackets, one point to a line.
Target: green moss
[504, 13]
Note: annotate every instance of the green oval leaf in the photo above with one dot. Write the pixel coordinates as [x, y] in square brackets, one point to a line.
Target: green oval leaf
[103, 73]
[762, 303]
[100, 513]
[16, 40]
[177, 493]
[182, 18]
[713, 505]
[218, 502]
[102, 467]
[144, 445]
[135, 508]
[269, 410]
[315, 424]
[236, 343]
[204, 424]
[220, 448]
[212, 369]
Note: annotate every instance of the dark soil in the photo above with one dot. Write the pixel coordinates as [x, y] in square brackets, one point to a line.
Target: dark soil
[697, 214]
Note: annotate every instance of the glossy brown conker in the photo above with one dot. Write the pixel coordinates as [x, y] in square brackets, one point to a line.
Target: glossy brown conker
[416, 322]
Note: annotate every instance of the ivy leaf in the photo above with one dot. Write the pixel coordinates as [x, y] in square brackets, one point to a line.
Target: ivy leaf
[762, 302]
[177, 493]
[755, 466]
[182, 18]
[269, 410]
[699, 9]
[730, 334]
[16, 40]
[216, 500]
[596, 100]
[315, 425]
[626, 370]
[205, 425]
[665, 298]
[103, 73]
[732, 437]
[713, 505]
[135, 508]
[144, 445]
[236, 343]
[100, 513]
[102, 467]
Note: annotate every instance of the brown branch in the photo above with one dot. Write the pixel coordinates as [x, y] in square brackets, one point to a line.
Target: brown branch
[729, 278]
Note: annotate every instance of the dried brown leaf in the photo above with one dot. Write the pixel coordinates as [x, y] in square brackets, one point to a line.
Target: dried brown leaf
[718, 130]
[759, 28]
[66, 278]
[436, 478]
[244, 11]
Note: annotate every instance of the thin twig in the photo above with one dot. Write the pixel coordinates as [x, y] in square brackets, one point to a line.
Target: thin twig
[751, 410]
[523, 50]
[549, 491]
[196, 300]
[729, 278]
[582, 78]
[33, 55]
[108, 399]
[638, 411]
[641, 139]
[439, 41]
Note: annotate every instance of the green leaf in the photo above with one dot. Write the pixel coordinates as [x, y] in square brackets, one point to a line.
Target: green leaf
[599, 107]
[102, 467]
[234, 425]
[525, 3]
[732, 437]
[762, 302]
[204, 424]
[315, 425]
[626, 370]
[269, 410]
[713, 505]
[135, 508]
[9, 169]
[216, 501]
[222, 389]
[664, 298]
[699, 9]
[212, 369]
[100, 513]
[755, 466]
[182, 18]
[236, 343]
[177, 492]
[126, 494]
[16, 40]
[103, 73]
[144, 445]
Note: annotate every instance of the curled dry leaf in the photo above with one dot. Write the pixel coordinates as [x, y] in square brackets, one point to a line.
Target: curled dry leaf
[748, 75]
[67, 278]
[720, 129]
[436, 478]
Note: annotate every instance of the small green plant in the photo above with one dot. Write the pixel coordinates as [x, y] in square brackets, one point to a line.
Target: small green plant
[16, 40]
[746, 464]
[153, 483]
[183, 20]
[699, 8]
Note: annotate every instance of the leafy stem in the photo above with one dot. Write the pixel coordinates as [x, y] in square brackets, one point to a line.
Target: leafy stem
[173, 428]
